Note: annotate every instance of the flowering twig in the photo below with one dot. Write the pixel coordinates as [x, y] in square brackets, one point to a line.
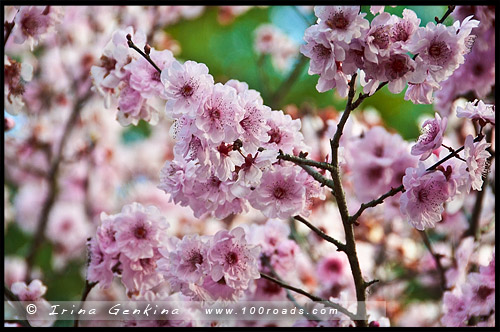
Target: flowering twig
[473, 229]
[86, 290]
[437, 259]
[304, 161]
[312, 297]
[323, 235]
[394, 191]
[145, 55]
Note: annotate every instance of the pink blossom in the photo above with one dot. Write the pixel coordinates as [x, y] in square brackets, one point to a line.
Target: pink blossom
[376, 9]
[476, 157]
[220, 115]
[132, 107]
[31, 22]
[339, 81]
[425, 193]
[478, 110]
[431, 138]
[332, 269]
[342, 23]
[285, 132]
[441, 48]
[100, 268]
[323, 53]
[145, 78]
[255, 128]
[377, 38]
[280, 194]
[250, 171]
[139, 230]
[403, 28]
[479, 295]
[32, 292]
[186, 86]
[140, 275]
[233, 259]
[400, 69]
[421, 93]
[187, 262]
[455, 309]
[224, 160]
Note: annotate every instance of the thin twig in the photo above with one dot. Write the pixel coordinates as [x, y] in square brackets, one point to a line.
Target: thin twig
[312, 297]
[53, 185]
[340, 246]
[288, 293]
[437, 259]
[303, 161]
[9, 26]
[451, 8]
[146, 56]
[86, 290]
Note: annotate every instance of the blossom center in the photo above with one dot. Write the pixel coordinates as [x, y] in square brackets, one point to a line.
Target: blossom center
[155, 76]
[381, 37]
[422, 195]
[279, 192]
[232, 258]
[140, 232]
[483, 292]
[187, 90]
[196, 258]
[214, 113]
[337, 21]
[275, 136]
[322, 51]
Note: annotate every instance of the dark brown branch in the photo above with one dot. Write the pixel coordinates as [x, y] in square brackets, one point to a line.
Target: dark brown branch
[303, 161]
[340, 246]
[375, 202]
[437, 259]
[451, 8]
[310, 296]
[145, 56]
[86, 290]
[8, 26]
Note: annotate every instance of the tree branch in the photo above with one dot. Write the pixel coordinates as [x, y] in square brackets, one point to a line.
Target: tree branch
[437, 259]
[86, 290]
[145, 56]
[340, 246]
[287, 84]
[310, 296]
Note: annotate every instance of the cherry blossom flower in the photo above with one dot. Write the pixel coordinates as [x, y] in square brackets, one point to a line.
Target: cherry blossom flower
[32, 292]
[100, 267]
[231, 258]
[145, 78]
[187, 86]
[478, 110]
[250, 171]
[479, 295]
[431, 138]
[324, 54]
[403, 28]
[281, 193]
[140, 230]
[425, 193]
[342, 23]
[219, 117]
[422, 93]
[32, 22]
[378, 39]
[255, 128]
[476, 157]
[285, 133]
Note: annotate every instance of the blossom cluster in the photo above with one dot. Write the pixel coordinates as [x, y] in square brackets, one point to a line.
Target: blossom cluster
[474, 298]
[226, 149]
[343, 41]
[426, 190]
[134, 244]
